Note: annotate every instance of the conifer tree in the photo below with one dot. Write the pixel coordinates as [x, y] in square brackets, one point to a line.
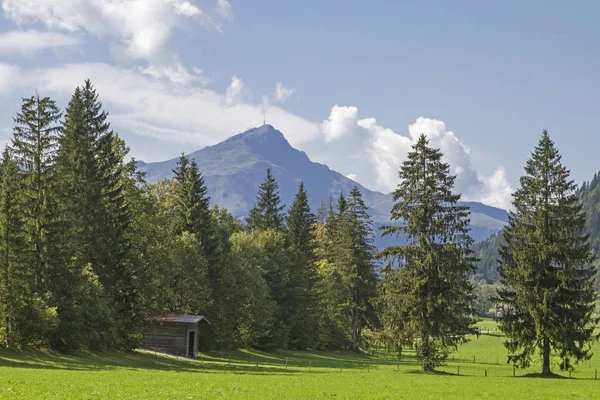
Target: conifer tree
[427, 296]
[300, 233]
[192, 213]
[300, 224]
[363, 277]
[546, 267]
[266, 213]
[96, 221]
[15, 284]
[34, 145]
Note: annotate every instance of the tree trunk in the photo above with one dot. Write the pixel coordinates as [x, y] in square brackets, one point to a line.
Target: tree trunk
[425, 362]
[546, 355]
[354, 330]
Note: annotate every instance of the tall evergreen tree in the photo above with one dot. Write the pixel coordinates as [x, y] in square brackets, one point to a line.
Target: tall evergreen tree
[15, 284]
[347, 272]
[300, 233]
[427, 296]
[96, 219]
[546, 267]
[300, 224]
[192, 213]
[34, 145]
[267, 211]
[363, 276]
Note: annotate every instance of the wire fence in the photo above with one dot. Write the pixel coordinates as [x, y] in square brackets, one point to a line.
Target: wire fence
[455, 366]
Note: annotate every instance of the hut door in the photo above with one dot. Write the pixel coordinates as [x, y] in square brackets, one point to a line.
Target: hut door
[191, 344]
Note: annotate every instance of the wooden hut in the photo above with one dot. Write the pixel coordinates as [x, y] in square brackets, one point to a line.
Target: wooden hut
[173, 334]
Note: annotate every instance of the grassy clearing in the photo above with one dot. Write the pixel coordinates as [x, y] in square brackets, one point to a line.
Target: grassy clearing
[309, 374]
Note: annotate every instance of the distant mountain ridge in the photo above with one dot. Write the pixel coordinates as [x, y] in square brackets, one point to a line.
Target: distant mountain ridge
[234, 168]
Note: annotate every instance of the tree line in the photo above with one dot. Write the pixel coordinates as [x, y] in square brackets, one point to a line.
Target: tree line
[88, 250]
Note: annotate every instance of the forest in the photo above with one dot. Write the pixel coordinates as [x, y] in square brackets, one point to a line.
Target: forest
[88, 250]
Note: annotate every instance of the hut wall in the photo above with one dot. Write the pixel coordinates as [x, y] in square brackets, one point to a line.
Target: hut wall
[166, 338]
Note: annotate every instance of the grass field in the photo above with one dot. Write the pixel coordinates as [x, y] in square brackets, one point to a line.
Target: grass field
[309, 374]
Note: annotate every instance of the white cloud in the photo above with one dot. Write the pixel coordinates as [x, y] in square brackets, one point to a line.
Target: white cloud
[341, 122]
[351, 144]
[176, 73]
[496, 190]
[145, 106]
[139, 29]
[282, 93]
[236, 92]
[352, 176]
[31, 41]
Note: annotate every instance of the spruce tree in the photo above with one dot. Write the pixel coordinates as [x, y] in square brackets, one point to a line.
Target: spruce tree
[15, 278]
[546, 267]
[266, 213]
[347, 272]
[34, 145]
[96, 224]
[192, 213]
[427, 296]
[363, 277]
[300, 224]
[300, 234]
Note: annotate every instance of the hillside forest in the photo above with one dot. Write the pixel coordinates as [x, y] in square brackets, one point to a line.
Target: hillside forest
[89, 250]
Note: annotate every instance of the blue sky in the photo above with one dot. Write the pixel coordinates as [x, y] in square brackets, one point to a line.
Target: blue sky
[495, 73]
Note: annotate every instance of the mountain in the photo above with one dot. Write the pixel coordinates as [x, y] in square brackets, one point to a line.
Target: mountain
[234, 168]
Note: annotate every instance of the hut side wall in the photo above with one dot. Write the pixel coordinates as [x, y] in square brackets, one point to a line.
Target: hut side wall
[166, 338]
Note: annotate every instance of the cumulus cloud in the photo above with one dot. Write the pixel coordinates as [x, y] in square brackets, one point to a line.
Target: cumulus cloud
[30, 41]
[176, 73]
[160, 109]
[139, 29]
[350, 143]
[282, 93]
[236, 92]
[341, 122]
[352, 176]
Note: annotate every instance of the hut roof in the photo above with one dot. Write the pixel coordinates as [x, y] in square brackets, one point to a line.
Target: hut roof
[177, 318]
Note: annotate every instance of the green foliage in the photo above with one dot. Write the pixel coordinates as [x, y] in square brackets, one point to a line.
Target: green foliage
[546, 267]
[347, 273]
[485, 295]
[34, 151]
[188, 276]
[488, 254]
[300, 235]
[426, 294]
[266, 213]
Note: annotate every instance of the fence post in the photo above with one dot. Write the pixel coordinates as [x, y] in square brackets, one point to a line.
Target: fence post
[486, 372]
[458, 373]
[514, 371]
[256, 362]
[286, 363]
[596, 374]
[473, 359]
[309, 365]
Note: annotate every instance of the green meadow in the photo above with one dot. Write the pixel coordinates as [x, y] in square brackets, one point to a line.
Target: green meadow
[478, 370]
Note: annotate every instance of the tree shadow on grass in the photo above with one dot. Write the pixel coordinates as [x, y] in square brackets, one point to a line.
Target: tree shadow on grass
[539, 375]
[241, 362]
[434, 373]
